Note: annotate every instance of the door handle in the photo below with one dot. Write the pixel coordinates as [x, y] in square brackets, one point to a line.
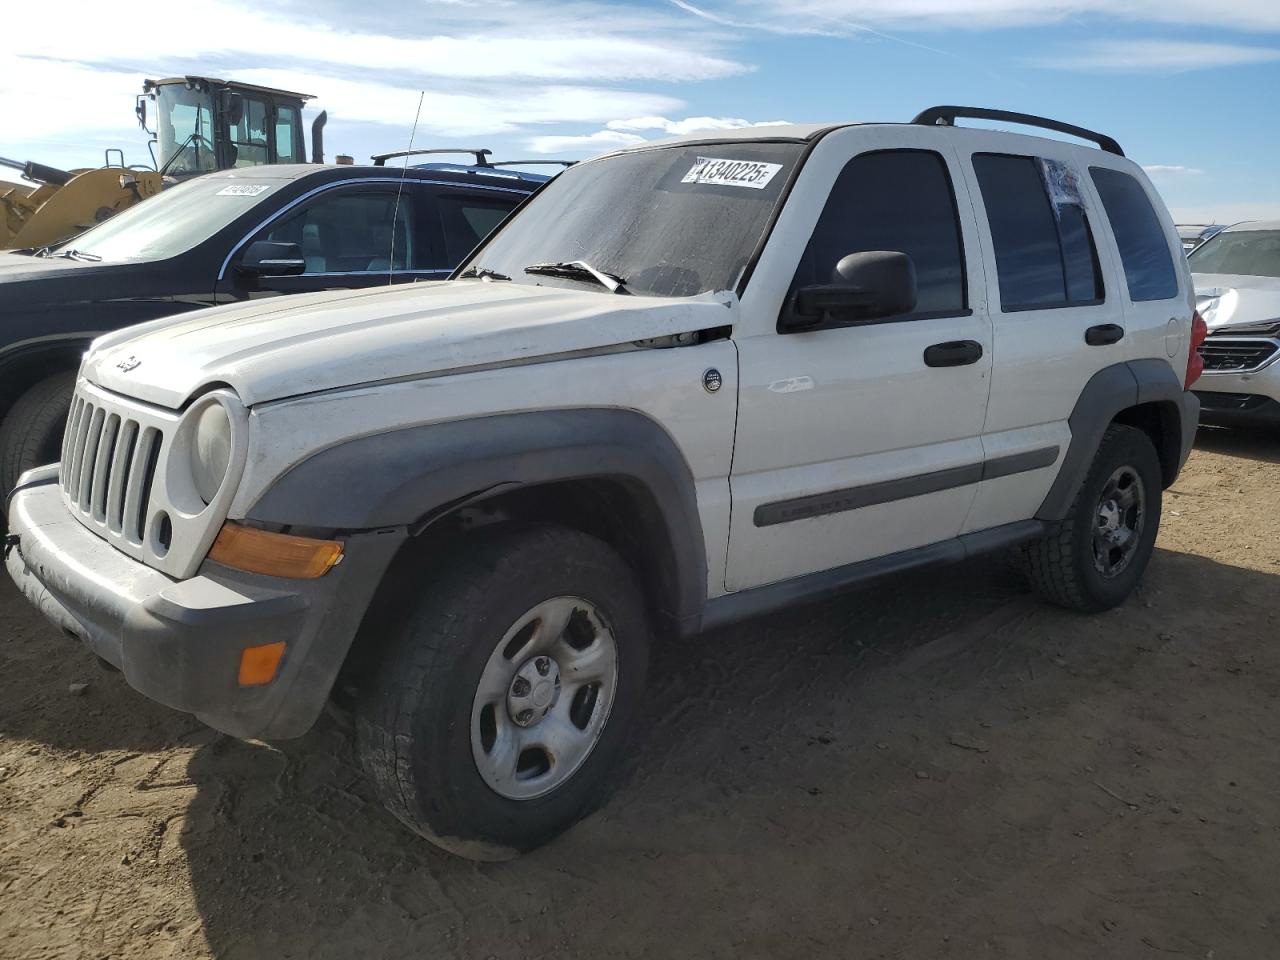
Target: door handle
[1104, 334]
[954, 353]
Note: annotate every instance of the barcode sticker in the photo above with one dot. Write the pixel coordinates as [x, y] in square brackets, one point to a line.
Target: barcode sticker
[732, 173]
[244, 190]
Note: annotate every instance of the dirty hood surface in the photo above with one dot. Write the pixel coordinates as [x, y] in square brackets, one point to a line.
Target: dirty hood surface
[1227, 300]
[288, 346]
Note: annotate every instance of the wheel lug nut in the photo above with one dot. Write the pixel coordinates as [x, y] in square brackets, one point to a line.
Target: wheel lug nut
[521, 687]
[542, 665]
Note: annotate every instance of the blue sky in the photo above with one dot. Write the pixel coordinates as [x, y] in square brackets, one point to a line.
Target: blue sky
[1188, 87]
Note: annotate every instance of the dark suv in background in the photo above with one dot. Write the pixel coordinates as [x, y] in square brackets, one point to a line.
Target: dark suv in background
[223, 237]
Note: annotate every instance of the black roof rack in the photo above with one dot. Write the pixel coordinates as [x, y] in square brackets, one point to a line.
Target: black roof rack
[482, 155]
[533, 163]
[946, 117]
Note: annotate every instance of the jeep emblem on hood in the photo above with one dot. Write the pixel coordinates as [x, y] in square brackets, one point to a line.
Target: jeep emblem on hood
[127, 364]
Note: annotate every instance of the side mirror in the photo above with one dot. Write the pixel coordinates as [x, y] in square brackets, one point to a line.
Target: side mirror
[864, 287]
[265, 258]
[232, 107]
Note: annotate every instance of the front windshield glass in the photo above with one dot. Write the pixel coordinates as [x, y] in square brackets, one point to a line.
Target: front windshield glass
[672, 221]
[1246, 253]
[184, 130]
[175, 220]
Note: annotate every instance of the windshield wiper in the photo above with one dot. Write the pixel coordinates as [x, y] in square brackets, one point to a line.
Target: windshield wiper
[482, 273]
[579, 270]
[80, 255]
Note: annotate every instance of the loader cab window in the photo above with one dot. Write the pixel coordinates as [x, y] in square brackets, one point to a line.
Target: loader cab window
[184, 129]
[249, 136]
[289, 145]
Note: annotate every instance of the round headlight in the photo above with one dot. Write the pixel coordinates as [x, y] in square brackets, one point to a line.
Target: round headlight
[210, 450]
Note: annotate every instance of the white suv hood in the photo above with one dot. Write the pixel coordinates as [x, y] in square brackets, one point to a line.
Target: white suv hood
[1227, 300]
[268, 349]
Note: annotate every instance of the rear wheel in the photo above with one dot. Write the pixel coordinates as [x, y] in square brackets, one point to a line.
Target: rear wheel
[31, 433]
[1094, 557]
[494, 720]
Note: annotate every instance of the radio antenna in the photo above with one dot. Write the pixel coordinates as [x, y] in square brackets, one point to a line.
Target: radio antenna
[395, 211]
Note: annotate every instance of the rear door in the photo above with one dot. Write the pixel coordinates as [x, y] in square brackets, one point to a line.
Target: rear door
[1056, 318]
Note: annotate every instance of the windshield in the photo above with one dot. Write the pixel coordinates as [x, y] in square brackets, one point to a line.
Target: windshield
[173, 221]
[1247, 253]
[674, 221]
[184, 130]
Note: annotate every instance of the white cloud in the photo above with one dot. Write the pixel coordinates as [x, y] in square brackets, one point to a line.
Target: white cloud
[1138, 56]
[846, 16]
[1226, 212]
[1170, 169]
[488, 45]
[588, 144]
[489, 69]
[688, 124]
[621, 133]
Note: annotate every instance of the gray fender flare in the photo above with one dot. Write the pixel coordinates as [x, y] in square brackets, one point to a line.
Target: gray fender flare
[1108, 393]
[404, 476]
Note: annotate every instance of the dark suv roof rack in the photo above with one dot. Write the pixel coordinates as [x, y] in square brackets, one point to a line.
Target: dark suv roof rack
[946, 117]
[481, 154]
[534, 163]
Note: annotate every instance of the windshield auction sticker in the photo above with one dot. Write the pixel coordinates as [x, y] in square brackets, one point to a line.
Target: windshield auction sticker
[732, 173]
[244, 190]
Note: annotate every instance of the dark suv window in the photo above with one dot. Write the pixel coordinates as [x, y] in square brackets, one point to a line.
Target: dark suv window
[894, 200]
[1045, 255]
[469, 219]
[1144, 251]
[347, 232]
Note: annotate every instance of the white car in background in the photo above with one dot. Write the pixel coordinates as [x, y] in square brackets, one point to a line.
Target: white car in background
[1237, 279]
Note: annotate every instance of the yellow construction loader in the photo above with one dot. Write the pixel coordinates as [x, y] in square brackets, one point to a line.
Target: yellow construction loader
[201, 124]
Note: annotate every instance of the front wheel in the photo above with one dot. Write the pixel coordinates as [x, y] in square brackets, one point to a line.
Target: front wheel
[495, 718]
[31, 434]
[1093, 558]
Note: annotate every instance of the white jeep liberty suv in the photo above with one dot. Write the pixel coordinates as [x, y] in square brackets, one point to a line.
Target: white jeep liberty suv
[684, 384]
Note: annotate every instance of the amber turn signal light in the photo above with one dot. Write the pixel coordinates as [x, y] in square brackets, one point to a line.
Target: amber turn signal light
[258, 665]
[275, 554]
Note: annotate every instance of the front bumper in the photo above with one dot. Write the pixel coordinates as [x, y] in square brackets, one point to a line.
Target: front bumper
[179, 641]
[1240, 399]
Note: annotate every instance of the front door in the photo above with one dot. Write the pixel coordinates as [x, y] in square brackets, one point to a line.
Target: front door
[860, 441]
[350, 237]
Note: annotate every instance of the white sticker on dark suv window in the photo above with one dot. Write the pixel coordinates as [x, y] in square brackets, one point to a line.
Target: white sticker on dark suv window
[732, 173]
[244, 190]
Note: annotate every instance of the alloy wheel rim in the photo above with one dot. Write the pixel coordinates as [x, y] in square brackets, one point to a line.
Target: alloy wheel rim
[1118, 522]
[544, 698]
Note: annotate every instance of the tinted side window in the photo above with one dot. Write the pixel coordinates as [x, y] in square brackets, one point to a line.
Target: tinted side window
[352, 233]
[893, 200]
[1045, 255]
[1148, 268]
[469, 219]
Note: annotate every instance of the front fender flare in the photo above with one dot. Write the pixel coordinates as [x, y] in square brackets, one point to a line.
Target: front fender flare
[399, 477]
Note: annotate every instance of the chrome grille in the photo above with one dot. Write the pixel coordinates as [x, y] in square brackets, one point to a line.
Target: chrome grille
[1237, 356]
[108, 467]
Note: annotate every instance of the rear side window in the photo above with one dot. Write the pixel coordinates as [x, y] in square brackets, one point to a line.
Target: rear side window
[898, 200]
[469, 219]
[1045, 254]
[1148, 267]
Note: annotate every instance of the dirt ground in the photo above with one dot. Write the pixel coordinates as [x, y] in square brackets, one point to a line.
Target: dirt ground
[938, 766]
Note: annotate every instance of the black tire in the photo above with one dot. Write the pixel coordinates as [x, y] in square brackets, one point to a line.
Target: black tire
[31, 433]
[1061, 566]
[414, 713]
